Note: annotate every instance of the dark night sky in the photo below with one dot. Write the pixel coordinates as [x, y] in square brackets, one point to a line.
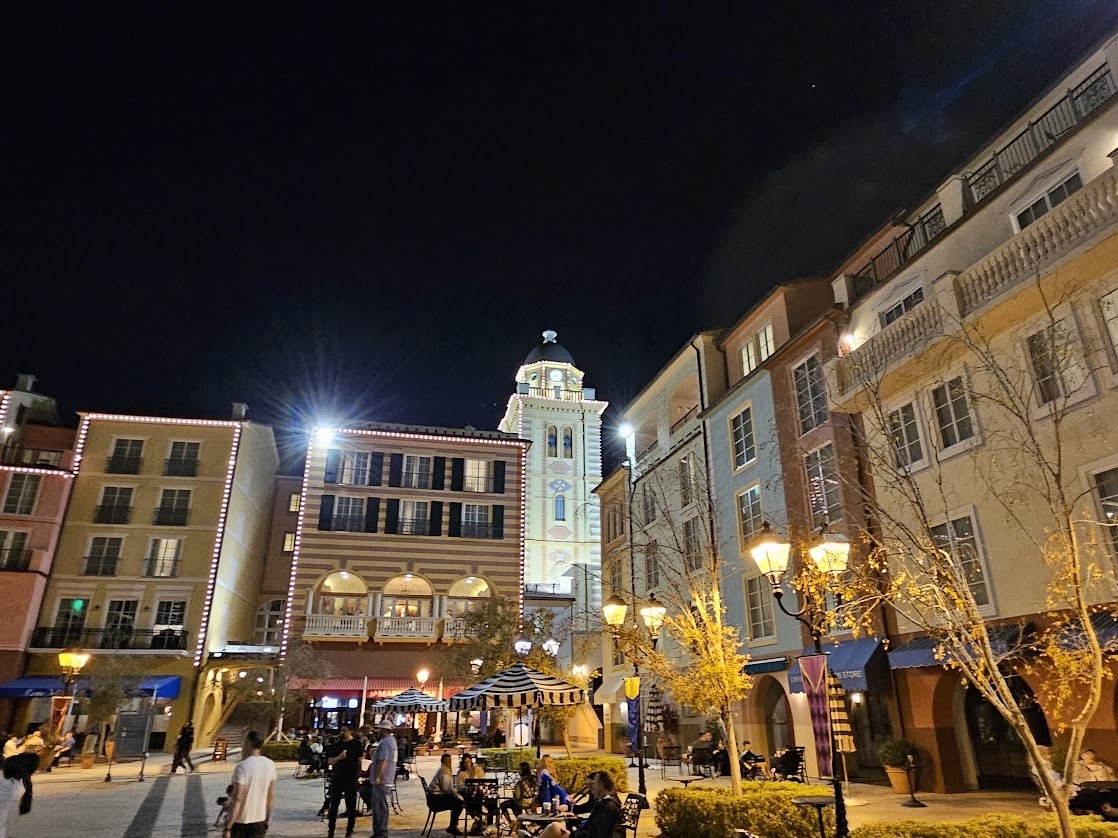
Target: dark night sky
[373, 210]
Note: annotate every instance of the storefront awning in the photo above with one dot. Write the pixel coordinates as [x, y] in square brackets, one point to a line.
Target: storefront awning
[611, 692]
[161, 686]
[1105, 625]
[770, 665]
[921, 651]
[846, 660]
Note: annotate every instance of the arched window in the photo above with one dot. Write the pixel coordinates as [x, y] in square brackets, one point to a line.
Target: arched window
[568, 444]
[407, 596]
[466, 594]
[269, 623]
[560, 508]
[341, 594]
[552, 441]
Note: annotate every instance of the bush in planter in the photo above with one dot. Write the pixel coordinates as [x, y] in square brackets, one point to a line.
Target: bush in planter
[764, 808]
[495, 757]
[571, 773]
[283, 751]
[987, 826]
[894, 753]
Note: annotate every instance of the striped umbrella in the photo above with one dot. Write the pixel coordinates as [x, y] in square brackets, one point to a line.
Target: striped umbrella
[517, 686]
[654, 715]
[840, 719]
[412, 701]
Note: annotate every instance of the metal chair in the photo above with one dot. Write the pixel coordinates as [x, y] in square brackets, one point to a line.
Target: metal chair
[434, 806]
[671, 755]
[631, 809]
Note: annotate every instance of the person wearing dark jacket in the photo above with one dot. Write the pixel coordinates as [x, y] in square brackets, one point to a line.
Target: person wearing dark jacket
[604, 820]
[182, 749]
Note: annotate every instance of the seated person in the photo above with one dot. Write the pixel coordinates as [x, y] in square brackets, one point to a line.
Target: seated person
[523, 794]
[1091, 769]
[720, 757]
[750, 762]
[548, 788]
[604, 819]
[701, 752]
[445, 796]
[786, 765]
[67, 748]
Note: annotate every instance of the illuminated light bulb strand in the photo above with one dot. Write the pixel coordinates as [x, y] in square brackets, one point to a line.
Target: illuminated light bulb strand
[291, 581]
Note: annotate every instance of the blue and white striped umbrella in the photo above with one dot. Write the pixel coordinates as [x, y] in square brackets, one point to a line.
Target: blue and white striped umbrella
[517, 686]
[412, 701]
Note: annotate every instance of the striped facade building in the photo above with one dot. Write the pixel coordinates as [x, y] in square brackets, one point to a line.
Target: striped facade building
[401, 530]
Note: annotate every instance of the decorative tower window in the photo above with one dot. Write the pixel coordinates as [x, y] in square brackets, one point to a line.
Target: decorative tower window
[568, 444]
[552, 441]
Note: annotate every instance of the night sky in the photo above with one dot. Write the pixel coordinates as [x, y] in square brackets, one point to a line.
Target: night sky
[372, 210]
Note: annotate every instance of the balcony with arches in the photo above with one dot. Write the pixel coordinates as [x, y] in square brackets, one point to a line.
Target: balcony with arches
[406, 611]
[468, 594]
[338, 609]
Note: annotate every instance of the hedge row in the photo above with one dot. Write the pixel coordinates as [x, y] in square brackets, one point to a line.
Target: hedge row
[285, 751]
[988, 826]
[762, 808]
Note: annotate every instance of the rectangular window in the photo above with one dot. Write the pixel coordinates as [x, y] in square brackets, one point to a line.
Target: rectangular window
[1050, 200]
[750, 519]
[349, 514]
[749, 359]
[170, 613]
[959, 539]
[615, 576]
[811, 396]
[23, 491]
[293, 502]
[417, 472]
[127, 457]
[183, 459]
[1109, 306]
[415, 518]
[116, 506]
[355, 468]
[765, 344]
[823, 489]
[907, 304]
[475, 521]
[1057, 367]
[476, 476]
[69, 620]
[289, 542]
[648, 503]
[905, 434]
[741, 429]
[686, 479]
[163, 557]
[120, 622]
[104, 553]
[759, 601]
[651, 565]
[692, 544]
[173, 509]
[14, 554]
[952, 412]
[1106, 484]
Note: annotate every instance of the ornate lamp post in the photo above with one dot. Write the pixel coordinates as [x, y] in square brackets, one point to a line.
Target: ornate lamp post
[72, 661]
[652, 614]
[830, 553]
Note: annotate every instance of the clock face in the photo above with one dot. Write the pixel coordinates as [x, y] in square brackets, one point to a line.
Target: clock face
[556, 376]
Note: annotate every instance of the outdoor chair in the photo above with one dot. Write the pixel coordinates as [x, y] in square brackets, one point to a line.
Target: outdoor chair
[671, 755]
[481, 800]
[631, 812]
[435, 803]
[702, 762]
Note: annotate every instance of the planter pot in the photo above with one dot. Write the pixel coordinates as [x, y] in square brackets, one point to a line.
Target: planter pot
[88, 760]
[898, 779]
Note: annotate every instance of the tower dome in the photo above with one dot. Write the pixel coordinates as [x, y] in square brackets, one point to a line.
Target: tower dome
[549, 350]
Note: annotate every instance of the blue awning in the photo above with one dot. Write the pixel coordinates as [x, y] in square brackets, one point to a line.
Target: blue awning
[1105, 625]
[846, 660]
[921, 651]
[761, 667]
[161, 686]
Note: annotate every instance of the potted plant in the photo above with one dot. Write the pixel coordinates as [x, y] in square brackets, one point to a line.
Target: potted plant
[898, 756]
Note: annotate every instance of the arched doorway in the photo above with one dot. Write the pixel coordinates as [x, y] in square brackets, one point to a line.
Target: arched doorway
[1000, 760]
[778, 716]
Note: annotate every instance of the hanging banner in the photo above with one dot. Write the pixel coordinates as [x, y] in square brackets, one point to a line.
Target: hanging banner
[59, 709]
[634, 724]
[814, 669]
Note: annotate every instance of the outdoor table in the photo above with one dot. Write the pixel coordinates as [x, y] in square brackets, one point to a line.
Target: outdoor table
[535, 822]
[819, 801]
[687, 781]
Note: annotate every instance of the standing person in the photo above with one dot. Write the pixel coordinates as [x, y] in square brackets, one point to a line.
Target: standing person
[183, 746]
[254, 791]
[382, 777]
[16, 775]
[345, 765]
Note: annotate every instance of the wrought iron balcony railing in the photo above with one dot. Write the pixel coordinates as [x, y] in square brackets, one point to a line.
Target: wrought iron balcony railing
[100, 565]
[180, 468]
[129, 639]
[347, 523]
[473, 529]
[12, 558]
[112, 513]
[123, 465]
[170, 516]
[414, 526]
[164, 568]
[17, 455]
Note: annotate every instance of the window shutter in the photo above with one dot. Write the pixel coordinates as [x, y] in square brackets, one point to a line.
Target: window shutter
[454, 525]
[392, 515]
[497, 517]
[435, 525]
[326, 512]
[376, 467]
[457, 474]
[372, 511]
[438, 474]
[395, 469]
[499, 477]
[333, 460]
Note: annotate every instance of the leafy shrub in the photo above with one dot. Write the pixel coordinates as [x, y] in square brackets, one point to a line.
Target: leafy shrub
[987, 826]
[570, 772]
[895, 752]
[285, 751]
[764, 808]
[495, 757]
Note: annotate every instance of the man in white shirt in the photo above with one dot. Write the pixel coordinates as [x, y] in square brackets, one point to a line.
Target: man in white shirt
[382, 777]
[254, 791]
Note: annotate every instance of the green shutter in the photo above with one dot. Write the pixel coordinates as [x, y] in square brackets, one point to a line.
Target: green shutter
[372, 511]
[435, 522]
[392, 515]
[497, 527]
[454, 525]
[499, 477]
[333, 461]
[326, 512]
[376, 467]
[457, 474]
[395, 469]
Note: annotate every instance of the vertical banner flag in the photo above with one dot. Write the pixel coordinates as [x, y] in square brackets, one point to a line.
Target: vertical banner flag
[634, 724]
[814, 670]
[59, 709]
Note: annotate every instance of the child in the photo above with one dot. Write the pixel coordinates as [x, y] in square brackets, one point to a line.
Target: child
[226, 803]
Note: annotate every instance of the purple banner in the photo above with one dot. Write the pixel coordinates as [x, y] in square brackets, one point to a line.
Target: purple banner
[814, 669]
[634, 724]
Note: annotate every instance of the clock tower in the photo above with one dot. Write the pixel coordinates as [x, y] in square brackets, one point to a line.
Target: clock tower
[563, 419]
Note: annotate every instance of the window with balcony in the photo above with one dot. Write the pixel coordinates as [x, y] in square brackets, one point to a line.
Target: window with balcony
[417, 472]
[686, 479]
[476, 476]
[182, 461]
[651, 564]
[127, 457]
[349, 514]
[120, 624]
[741, 434]
[953, 415]
[69, 623]
[115, 507]
[648, 503]
[811, 395]
[759, 602]
[23, 491]
[415, 517]
[692, 544]
[341, 594]
[355, 468]
[163, 557]
[1058, 368]
[475, 520]
[465, 595]
[1049, 200]
[406, 607]
[169, 629]
[104, 554]
[14, 554]
[269, 623]
[895, 312]
[958, 537]
[289, 542]
[905, 434]
[173, 509]
[823, 489]
[750, 518]
[1106, 486]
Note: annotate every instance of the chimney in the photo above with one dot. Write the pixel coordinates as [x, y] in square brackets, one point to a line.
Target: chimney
[240, 410]
[25, 382]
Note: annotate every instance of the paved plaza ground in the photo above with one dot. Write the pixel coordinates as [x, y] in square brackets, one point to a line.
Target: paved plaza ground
[77, 803]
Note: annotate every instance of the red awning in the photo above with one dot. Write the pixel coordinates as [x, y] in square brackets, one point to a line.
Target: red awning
[378, 687]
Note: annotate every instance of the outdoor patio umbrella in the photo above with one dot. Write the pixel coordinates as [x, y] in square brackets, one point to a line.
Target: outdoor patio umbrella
[517, 686]
[654, 715]
[841, 729]
[412, 701]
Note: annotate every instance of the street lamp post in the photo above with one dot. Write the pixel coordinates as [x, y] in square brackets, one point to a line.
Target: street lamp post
[652, 614]
[72, 661]
[830, 553]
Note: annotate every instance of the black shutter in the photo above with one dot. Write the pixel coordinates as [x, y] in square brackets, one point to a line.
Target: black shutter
[333, 460]
[497, 514]
[457, 474]
[438, 474]
[392, 515]
[435, 526]
[499, 476]
[395, 469]
[376, 467]
[372, 510]
[326, 512]
[454, 525]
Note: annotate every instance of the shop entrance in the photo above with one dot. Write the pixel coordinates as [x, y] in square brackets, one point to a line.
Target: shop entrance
[999, 755]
